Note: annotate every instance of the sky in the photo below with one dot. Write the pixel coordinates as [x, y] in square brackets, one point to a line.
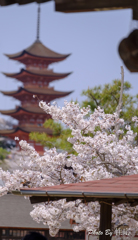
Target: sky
[92, 38]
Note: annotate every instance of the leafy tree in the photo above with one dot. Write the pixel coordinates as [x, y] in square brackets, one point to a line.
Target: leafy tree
[3, 153]
[107, 97]
[57, 140]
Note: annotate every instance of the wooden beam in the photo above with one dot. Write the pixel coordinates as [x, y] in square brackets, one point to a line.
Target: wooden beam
[135, 10]
[105, 221]
[135, 203]
[118, 202]
[39, 199]
[92, 5]
[68, 6]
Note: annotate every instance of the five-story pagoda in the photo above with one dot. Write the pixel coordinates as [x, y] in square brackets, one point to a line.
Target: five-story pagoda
[35, 79]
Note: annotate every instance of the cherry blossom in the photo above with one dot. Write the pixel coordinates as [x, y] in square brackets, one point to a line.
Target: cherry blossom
[100, 141]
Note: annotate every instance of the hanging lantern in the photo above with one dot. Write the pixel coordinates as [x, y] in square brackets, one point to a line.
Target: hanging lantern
[128, 51]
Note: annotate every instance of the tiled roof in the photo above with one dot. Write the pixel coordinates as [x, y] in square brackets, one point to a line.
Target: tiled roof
[123, 188]
[26, 129]
[37, 49]
[30, 109]
[125, 184]
[14, 212]
[39, 72]
[35, 91]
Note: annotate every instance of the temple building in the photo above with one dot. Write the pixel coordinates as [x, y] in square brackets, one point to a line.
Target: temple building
[16, 222]
[35, 78]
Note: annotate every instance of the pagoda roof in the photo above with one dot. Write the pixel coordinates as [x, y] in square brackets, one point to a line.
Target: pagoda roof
[37, 91]
[26, 129]
[29, 109]
[38, 72]
[37, 49]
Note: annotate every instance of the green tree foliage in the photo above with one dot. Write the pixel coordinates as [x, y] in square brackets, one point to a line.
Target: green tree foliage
[3, 153]
[107, 97]
[58, 138]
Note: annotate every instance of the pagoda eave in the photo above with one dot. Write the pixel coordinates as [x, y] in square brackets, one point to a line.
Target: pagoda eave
[28, 110]
[22, 132]
[23, 115]
[24, 74]
[34, 91]
[27, 58]
[37, 52]
[12, 133]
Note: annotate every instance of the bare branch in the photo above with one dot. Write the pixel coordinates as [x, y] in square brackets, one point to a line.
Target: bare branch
[120, 100]
[113, 165]
[121, 92]
[91, 95]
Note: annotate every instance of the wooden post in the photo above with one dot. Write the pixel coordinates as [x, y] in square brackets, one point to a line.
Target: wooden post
[105, 221]
[0, 233]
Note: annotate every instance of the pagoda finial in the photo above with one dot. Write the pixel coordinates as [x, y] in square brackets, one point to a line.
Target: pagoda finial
[38, 23]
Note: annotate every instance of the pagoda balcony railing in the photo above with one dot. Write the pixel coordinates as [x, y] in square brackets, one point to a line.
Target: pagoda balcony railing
[30, 125]
[30, 85]
[28, 104]
[39, 67]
